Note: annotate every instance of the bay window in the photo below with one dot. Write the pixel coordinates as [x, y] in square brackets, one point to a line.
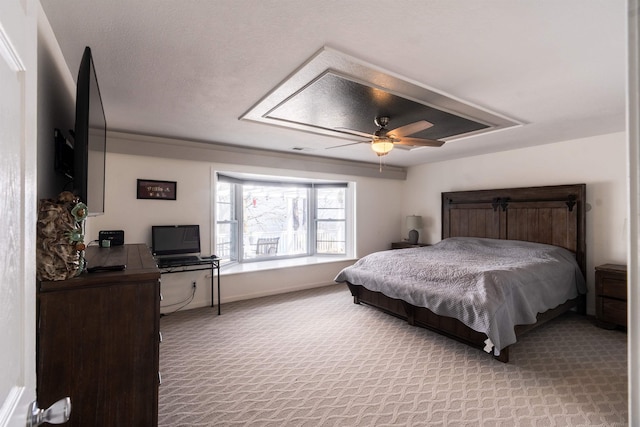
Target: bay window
[265, 218]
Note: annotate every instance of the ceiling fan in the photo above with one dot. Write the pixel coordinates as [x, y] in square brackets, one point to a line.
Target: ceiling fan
[383, 140]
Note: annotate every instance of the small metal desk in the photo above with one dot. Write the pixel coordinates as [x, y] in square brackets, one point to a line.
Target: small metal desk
[212, 264]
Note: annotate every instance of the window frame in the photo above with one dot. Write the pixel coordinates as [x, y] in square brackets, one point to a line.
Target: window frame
[238, 180]
[317, 220]
[232, 222]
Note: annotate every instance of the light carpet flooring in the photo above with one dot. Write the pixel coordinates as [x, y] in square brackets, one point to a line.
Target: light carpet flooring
[313, 358]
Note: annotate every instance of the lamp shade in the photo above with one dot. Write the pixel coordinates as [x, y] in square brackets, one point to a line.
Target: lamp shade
[381, 146]
[414, 221]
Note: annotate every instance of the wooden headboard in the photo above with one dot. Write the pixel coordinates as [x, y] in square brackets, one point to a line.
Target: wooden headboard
[553, 215]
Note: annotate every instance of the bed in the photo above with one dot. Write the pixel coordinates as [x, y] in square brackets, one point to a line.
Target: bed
[545, 225]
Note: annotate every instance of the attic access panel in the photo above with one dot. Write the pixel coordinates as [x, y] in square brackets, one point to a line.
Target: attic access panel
[333, 101]
[333, 90]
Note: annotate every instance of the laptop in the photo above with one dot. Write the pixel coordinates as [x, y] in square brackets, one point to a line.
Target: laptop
[175, 245]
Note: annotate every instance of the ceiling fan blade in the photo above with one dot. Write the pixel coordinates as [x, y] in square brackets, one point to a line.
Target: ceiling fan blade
[420, 142]
[355, 132]
[410, 129]
[344, 145]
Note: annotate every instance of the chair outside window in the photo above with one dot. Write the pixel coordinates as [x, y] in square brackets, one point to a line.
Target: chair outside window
[267, 246]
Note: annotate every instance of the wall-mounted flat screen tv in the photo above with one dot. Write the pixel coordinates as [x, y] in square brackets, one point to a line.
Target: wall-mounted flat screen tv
[90, 139]
[175, 239]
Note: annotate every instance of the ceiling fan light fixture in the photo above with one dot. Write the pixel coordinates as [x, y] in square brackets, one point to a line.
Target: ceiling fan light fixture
[381, 146]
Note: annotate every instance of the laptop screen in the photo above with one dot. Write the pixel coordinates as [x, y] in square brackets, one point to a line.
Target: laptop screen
[175, 239]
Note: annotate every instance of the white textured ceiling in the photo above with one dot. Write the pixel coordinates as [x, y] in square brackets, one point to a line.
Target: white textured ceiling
[189, 69]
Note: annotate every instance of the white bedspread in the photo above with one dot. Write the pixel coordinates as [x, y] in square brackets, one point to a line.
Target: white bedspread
[490, 285]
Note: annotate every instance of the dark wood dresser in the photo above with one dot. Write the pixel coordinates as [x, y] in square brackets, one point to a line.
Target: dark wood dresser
[611, 295]
[98, 340]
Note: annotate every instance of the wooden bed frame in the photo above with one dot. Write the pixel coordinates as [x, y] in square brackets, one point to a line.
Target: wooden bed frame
[553, 215]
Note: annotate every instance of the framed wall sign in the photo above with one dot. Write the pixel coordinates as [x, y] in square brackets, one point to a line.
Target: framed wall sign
[151, 189]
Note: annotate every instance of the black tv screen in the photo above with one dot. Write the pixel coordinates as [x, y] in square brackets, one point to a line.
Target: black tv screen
[175, 239]
[90, 138]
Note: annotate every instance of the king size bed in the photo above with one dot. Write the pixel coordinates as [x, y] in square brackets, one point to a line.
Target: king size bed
[509, 260]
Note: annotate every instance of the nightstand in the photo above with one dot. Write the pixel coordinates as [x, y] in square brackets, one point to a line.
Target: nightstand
[611, 295]
[405, 245]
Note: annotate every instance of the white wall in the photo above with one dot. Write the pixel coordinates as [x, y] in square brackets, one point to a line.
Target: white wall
[598, 162]
[56, 107]
[377, 210]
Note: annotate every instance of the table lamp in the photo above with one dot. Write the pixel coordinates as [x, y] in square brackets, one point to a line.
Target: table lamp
[414, 222]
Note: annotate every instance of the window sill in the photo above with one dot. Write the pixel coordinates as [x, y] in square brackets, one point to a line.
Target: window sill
[280, 263]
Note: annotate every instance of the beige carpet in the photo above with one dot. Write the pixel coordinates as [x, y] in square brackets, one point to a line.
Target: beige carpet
[313, 358]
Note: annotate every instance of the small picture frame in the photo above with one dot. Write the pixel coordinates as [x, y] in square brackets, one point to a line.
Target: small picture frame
[157, 190]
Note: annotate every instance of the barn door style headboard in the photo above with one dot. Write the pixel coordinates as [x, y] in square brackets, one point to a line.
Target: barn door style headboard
[553, 215]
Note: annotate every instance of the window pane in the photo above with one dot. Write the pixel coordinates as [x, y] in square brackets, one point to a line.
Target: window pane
[224, 212]
[331, 224]
[224, 192]
[224, 207]
[331, 237]
[226, 224]
[224, 241]
[275, 221]
[330, 203]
